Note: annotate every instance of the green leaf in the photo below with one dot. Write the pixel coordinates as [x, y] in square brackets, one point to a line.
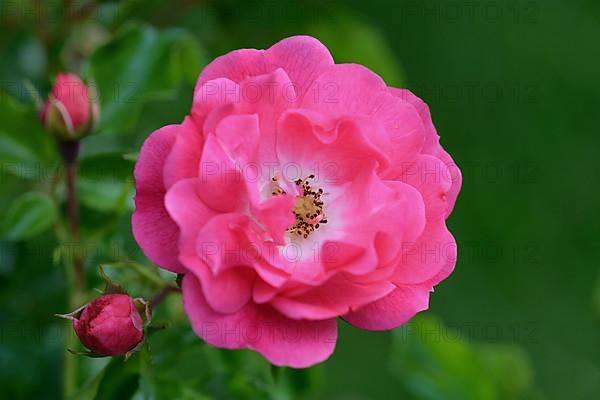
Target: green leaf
[131, 156]
[509, 368]
[187, 59]
[120, 379]
[184, 367]
[140, 64]
[147, 273]
[433, 362]
[25, 150]
[89, 390]
[105, 182]
[30, 214]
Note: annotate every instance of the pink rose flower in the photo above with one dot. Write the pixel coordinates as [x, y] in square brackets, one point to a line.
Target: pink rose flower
[297, 191]
[69, 112]
[110, 325]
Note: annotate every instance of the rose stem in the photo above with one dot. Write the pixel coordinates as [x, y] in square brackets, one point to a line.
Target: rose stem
[162, 294]
[69, 152]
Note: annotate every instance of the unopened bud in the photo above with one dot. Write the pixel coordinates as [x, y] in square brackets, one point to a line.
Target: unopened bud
[110, 325]
[68, 112]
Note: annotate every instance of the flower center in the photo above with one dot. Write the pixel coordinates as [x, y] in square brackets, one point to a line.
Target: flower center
[309, 211]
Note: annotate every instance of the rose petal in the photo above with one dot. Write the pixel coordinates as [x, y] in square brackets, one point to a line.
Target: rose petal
[391, 311]
[282, 341]
[432, 142]
[153, 228]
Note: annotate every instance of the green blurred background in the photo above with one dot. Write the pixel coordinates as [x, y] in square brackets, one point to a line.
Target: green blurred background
[514, 92]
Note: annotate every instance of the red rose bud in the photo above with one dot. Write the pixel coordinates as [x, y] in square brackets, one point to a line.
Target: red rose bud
[69, 113]
[110, 325]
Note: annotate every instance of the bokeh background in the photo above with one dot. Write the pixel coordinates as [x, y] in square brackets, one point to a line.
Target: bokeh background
[513, 88]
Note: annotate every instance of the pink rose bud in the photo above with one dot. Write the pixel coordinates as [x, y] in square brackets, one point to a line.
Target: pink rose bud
[69, 112]
[110, 325]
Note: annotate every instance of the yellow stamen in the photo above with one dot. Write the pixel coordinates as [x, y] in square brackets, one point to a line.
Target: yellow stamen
[308, 210]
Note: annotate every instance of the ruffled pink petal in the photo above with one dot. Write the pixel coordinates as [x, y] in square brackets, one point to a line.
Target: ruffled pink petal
[222, 243]
[190, 214]
[229, 240]
[339, 149]
[432, 142]
[229, 290]
[358, 259]
[226, 291]
[333, 298]
[433, 255]
[153, 228]
[391, 311]
[371, 205]
[263, 292]
[451, 255]
[397, 128]
[393, 125]
[236, 66]
[375, 217]
[302, 57]
[303, 264]
[276, 215]
[425, 259]
[209, 100]
[345, 89]
[182, 161]
[239, 136]
[266, 95]
[220, 184]
[282, 341]
[431, 177]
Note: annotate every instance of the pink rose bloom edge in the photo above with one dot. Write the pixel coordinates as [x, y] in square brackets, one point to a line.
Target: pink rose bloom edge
[166, 196]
